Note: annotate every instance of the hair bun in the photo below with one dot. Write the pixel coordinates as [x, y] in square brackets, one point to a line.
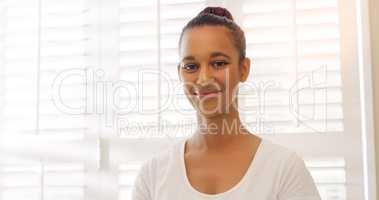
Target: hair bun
[219, 11]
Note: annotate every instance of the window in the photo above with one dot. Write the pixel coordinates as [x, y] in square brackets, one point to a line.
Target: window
[38, 41]
[79, 81]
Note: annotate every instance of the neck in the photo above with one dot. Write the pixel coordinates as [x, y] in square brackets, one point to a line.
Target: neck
[219, 131]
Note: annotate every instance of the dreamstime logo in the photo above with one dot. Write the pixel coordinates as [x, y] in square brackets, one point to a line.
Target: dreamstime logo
[122, 102]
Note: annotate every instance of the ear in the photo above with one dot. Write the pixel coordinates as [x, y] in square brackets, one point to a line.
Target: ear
[244, 69]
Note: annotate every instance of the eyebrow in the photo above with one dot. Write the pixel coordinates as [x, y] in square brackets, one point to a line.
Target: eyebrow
[214, 54]
[189, 58]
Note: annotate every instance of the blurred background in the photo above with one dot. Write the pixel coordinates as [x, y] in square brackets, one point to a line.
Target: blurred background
[89, 90]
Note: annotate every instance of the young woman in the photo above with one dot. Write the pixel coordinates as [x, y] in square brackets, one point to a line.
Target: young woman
[221, 160]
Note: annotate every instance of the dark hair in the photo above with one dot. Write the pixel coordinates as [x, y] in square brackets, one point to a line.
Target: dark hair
[218, 16]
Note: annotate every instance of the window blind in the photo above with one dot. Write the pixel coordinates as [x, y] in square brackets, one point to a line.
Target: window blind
[296, 79]
[38, 40]
[149, 33]
[139, 52]
[298, 94]
[36, 181]
[329, 175]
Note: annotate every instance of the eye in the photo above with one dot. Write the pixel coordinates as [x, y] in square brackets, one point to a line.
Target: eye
[219, 64]
[190, 67]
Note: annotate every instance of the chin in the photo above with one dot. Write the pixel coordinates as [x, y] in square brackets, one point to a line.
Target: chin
[209, 115]
[210, 110]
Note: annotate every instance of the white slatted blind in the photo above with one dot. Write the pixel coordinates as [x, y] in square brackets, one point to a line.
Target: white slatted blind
[35, 181]
[62, 46]
[20, 182]
[38, 40]
[295, 95]
[20, 48]
[149, 35]
[295, 48]
[139, 51]
[329, 175]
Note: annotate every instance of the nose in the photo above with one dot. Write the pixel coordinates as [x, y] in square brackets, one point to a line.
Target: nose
[205, 75]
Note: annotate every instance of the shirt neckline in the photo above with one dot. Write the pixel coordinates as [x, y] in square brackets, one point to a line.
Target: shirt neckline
[248, 174]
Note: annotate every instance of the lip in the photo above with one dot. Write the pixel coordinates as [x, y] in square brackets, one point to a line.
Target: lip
[207, 94]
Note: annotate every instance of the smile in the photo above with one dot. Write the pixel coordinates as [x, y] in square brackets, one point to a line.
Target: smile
[207, 94]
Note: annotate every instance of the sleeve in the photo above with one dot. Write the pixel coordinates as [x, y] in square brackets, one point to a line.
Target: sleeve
[296, 181]
[141, 189]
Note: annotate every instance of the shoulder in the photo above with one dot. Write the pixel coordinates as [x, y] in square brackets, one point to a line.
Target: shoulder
[161, 158]
[294, 179]
[284, 159]
[153, 172]
[277, 153]
[159, 163]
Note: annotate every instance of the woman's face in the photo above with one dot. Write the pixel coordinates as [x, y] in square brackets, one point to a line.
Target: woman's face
[210, 69]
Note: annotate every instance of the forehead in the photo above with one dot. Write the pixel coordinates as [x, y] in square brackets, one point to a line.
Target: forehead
[204, 40]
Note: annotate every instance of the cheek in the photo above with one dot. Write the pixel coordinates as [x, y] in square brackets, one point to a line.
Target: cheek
[187, 85]
[187, 77]
[227, 79]
[188, 92]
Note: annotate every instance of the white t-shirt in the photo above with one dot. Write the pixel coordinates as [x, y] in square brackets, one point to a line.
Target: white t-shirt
[276, 173]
